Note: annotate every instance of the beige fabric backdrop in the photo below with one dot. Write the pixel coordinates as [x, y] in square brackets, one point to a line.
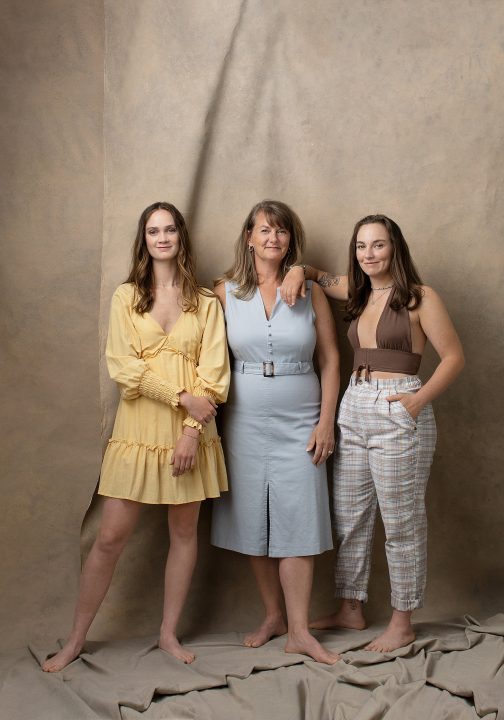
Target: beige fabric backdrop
[51, 204]
[339, 108]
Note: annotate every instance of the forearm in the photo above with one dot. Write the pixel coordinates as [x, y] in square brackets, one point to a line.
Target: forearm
[334, 286]
[330, 382]
[442, 378]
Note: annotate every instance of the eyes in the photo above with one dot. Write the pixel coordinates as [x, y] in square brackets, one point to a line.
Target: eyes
[279, 231]
[155, 230]
[377, 245]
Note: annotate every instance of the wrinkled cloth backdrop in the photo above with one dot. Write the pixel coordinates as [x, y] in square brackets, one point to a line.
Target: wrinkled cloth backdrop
[338, 108]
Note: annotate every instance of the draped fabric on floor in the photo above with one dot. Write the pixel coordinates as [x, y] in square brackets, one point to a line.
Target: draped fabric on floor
[453, 671]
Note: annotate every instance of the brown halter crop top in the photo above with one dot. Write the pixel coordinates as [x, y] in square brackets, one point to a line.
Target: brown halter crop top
[393, 340]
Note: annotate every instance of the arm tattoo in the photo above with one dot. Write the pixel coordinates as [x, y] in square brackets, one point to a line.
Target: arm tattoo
[327, 280]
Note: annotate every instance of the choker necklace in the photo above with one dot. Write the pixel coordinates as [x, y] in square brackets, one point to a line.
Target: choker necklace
[385, 287]
[374, 299]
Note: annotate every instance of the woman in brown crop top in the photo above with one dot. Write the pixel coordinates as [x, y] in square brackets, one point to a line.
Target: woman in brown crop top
[386, 426]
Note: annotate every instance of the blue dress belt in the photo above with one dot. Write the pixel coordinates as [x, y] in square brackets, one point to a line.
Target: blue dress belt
[269, 368]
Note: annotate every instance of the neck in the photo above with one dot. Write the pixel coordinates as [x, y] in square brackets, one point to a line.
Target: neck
[267, 273]
[165, 273]
[381, 282]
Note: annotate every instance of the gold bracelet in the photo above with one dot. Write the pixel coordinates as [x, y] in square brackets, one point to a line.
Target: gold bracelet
[290, 267]
[194, 437]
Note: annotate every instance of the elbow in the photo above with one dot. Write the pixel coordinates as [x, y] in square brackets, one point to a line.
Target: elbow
[456, 363]
[329, 363]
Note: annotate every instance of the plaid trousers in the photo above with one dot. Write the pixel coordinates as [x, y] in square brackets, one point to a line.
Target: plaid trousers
[383, 457]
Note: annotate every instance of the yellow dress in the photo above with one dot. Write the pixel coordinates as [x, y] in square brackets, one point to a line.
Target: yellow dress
[152, 368]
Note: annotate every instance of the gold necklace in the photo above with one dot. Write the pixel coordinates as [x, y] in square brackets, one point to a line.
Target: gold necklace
[382, 290]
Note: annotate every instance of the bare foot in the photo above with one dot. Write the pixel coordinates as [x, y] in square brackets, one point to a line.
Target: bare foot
[171, 645]
[392, 639]
[306, 644]
[348, 616]
[271, 627]
[69, 652]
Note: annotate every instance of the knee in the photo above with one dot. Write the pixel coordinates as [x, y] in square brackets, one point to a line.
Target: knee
[110, 542]
[183, 532]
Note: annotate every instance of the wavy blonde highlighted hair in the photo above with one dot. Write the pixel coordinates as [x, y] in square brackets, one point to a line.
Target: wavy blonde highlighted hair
[142, 272]
[243, 271]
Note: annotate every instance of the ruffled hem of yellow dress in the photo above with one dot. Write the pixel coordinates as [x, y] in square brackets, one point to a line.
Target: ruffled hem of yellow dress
[161, 448]
[142, 472]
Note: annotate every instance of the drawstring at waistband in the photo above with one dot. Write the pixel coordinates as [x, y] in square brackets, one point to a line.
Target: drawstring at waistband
[367, 374]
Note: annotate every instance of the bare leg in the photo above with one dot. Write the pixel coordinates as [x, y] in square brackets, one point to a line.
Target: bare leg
[296, 575]
[183, 528]
[118, 520]
[348, 616]
[266, 573]
[399, 632]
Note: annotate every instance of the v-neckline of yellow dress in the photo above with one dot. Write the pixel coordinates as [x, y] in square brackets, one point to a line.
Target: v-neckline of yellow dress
[161, 329]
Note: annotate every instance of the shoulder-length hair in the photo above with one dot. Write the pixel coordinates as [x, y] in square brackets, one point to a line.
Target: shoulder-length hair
[243, 271]
[142, 271]
[407, 283]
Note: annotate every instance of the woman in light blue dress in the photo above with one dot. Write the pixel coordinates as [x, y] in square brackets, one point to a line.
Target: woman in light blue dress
[279, 425]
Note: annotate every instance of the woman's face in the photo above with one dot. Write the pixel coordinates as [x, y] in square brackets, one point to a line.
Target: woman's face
[162, 236]
[373, 250]
[269, 242]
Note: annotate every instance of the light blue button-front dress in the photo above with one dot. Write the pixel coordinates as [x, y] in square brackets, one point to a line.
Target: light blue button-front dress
[278, 502]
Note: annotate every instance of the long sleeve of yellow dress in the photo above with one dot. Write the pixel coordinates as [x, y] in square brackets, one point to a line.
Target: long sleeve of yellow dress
[124, 360]
[212, 370]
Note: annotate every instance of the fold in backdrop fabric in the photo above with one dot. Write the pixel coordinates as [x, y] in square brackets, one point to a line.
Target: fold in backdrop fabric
[453, 671]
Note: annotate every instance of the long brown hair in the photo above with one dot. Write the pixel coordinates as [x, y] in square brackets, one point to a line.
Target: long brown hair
[243, 271]
[142, 271]
[407, 283]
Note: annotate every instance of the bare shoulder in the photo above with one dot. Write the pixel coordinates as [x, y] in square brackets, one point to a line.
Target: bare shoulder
[220, 292]
[318, 295]
[430, 299]
[428, 292]
[320, 304]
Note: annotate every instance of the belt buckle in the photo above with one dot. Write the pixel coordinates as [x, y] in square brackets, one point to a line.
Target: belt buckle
[268, 368]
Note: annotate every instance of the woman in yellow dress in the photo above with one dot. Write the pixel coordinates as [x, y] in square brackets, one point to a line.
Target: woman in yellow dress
[167, 351]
